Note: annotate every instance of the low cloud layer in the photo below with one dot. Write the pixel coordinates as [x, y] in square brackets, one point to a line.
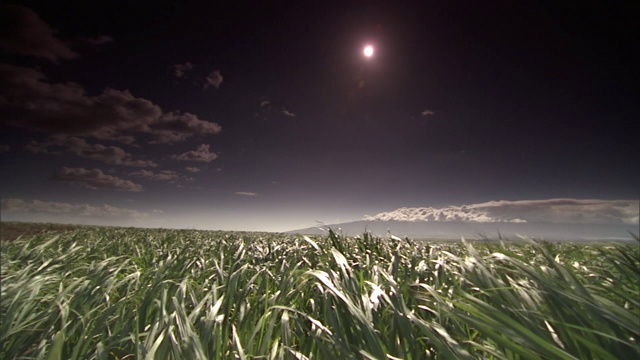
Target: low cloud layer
[64, 109]
[202, 154]
[245, 193]
[57, 208]
[95, 179]
[572, 211]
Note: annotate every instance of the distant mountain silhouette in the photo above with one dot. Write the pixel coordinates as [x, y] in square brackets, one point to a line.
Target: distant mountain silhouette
[478, 230]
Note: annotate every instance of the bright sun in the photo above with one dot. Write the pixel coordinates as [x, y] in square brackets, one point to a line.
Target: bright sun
[368, 51]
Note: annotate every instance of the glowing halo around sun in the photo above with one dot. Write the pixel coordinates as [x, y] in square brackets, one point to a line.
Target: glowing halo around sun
[368, 51]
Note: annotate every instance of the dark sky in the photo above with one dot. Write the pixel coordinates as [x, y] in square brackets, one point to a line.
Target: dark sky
[268, 116]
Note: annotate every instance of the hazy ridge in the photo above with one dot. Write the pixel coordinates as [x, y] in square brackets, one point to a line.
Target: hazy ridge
[476, 230]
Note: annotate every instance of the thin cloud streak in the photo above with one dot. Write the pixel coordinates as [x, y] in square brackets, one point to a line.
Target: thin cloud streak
[97, 40]
[164, 175]
[245, 193]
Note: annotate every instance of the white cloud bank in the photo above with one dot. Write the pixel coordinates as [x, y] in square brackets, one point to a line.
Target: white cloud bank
[572, 211]
[58, 208]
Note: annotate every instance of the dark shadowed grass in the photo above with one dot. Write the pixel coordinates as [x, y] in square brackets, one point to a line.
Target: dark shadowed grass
[12, 230]
[108, 293]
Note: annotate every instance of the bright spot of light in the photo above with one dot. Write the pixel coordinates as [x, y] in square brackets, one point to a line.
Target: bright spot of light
[368, 51]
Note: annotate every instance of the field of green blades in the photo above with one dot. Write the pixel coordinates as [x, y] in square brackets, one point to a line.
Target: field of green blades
[110, 293]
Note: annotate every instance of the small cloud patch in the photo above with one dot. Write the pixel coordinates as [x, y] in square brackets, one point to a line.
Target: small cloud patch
[213, 79]
[288, 113]
[202, 154]
[180, 70]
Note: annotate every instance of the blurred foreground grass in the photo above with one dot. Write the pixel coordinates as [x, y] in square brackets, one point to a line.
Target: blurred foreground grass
[112, 293]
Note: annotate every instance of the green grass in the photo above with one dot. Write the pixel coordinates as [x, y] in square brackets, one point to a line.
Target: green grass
[109, 293]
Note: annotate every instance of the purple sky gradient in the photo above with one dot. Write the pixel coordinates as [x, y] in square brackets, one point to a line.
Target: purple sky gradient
[269, 117]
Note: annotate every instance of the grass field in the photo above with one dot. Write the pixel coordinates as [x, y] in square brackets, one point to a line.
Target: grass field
[113, 293]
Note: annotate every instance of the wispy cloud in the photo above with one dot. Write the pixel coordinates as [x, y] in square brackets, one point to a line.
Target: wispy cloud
[174, 127]
[213, 79]
[108, 154]
[573, 211]
[197, 76]
[64, 109]
[245, 193]
[94, 179]
[288, 113]
[97, 40]
[25, 33]
[58, 208]
[427, 112]
[202, 154]
[180, 70]
[166, 175]
[192, 169]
